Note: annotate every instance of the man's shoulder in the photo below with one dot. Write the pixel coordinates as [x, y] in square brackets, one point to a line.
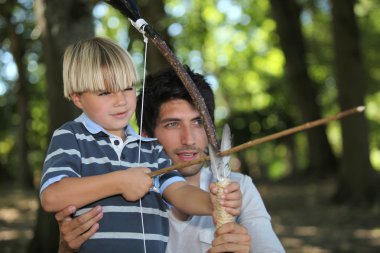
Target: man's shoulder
[246, 183]
[237, 176]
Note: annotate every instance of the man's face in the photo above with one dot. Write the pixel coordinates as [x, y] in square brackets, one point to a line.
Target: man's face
[179, 128]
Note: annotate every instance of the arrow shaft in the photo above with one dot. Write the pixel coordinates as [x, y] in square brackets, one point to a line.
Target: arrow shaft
[264, 139]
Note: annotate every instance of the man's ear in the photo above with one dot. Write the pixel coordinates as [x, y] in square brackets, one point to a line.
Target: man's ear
[76, 98]
[144, 134]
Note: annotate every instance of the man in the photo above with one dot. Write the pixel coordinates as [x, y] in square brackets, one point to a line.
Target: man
[170, 116]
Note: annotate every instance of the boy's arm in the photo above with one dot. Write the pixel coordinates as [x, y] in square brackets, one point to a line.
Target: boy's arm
[194, 201]
[188, 199]
[132, 183]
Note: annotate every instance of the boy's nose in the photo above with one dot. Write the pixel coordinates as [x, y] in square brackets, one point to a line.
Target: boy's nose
[120, 98]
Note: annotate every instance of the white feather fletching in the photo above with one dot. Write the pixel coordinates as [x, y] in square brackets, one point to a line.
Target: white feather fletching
[225, 145]
[216, 162]
[220, 166]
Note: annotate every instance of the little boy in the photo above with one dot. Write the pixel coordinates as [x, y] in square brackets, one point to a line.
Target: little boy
[95, 159]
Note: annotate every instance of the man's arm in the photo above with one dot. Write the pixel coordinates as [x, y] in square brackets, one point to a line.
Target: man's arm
[231, 237]
[255, 218]
[75, 231]
[132, 183]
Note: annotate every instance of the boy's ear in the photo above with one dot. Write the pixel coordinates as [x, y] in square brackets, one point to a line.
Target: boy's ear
[75, 97]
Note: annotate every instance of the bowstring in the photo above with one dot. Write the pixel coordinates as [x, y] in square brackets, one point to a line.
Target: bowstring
[140, 131]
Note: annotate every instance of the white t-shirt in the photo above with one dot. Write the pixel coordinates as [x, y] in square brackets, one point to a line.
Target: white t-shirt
[196, 234]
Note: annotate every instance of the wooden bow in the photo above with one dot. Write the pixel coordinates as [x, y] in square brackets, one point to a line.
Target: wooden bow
[129, 9]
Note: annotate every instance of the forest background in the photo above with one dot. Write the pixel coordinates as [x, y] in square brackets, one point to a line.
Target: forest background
[273, 64]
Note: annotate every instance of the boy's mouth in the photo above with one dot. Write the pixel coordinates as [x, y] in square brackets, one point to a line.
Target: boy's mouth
[120, 114]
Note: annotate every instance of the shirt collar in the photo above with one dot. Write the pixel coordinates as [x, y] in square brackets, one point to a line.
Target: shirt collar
[95, 128]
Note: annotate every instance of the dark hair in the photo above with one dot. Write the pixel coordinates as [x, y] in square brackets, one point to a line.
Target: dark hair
[164, 86]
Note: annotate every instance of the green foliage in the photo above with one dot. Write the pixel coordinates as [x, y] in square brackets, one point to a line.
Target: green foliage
[22, 17]
[236, 45]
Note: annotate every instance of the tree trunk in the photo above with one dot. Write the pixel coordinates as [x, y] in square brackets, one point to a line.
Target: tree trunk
[154, 13]
[358, 182]
[60, 24]
[18, 52]
[302, 88]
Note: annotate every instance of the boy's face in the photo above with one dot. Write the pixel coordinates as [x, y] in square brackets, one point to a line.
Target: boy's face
[112, 111]
[179, 129]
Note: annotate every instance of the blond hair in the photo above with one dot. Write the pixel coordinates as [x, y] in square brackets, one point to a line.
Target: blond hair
[97, 64]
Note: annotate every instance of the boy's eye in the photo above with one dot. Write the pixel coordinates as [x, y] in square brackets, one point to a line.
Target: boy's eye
[128, 89]
[103, 93]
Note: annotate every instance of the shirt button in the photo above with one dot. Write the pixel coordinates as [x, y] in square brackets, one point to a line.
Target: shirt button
[116, 142]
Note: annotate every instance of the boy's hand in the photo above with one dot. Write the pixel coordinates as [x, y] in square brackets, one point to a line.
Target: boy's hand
[75, 231]
[231, 237]
[231, 198]
[135, 183]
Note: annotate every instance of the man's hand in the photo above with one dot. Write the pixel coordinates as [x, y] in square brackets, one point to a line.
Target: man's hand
[231, 237]
[231, 198]
[75, 231]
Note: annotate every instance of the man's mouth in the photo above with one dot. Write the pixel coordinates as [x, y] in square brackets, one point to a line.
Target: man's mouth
[187, 156]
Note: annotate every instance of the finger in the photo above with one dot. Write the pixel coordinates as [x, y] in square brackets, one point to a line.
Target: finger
[213, 188]
[239, 239]
[233, 211]
[77, 242]
[231, 238]
[232, 187]
[86, 217]
[85, 226]
[231, 196]
[151, 183]
[233, 203]
[72, 229]
[231, 227]
[228, 247]
[65, 213]
[214, 217]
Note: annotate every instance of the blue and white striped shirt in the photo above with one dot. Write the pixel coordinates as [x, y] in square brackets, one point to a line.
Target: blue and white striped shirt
[82, 148]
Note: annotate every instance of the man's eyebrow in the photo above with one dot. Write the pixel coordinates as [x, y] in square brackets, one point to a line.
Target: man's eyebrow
[169, 120]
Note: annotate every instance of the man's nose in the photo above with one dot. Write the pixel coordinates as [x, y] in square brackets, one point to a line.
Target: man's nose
[187, 136]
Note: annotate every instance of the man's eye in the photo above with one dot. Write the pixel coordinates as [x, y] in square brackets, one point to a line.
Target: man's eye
[171, 124]
[198, 122]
